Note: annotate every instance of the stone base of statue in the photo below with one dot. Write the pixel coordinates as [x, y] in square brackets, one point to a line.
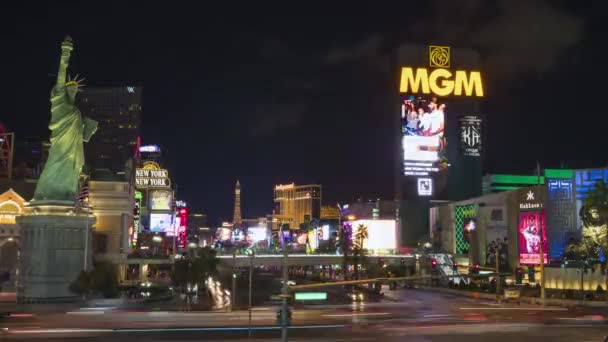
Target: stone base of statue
[55, 240]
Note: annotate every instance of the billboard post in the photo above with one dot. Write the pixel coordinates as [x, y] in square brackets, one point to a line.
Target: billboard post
[498, 282]
[541, 249]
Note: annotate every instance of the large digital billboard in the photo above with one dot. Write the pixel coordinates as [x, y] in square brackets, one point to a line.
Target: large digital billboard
[529, 235]
[160, 223]
[256, 234]
[375, 234]
[423, 134]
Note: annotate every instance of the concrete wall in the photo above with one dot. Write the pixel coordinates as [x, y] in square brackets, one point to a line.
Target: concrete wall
[570, 278]
[112, 204]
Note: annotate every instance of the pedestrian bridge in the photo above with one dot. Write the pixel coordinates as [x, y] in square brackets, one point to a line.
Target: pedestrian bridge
[276, 260]
[306, 259]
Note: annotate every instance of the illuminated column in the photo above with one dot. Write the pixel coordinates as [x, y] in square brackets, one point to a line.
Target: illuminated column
[237, 218]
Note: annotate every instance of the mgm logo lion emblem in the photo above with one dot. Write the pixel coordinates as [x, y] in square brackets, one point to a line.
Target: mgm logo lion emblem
[439, 56]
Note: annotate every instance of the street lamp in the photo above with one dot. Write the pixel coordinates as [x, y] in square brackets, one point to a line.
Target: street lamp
[157, 240]
[251, 253]
[284, 308]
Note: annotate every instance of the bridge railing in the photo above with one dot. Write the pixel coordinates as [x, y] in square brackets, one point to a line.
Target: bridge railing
[278, 251]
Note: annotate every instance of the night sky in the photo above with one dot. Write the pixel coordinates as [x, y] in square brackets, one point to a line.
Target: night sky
[300, 93]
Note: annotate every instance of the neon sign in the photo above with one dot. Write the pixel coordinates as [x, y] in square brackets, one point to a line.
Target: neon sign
[441, 82]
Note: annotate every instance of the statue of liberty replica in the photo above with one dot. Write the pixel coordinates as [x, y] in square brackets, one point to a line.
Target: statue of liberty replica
[59, 179]
[55, 232]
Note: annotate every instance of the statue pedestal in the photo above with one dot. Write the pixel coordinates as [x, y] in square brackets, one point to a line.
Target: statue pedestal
[55, 237]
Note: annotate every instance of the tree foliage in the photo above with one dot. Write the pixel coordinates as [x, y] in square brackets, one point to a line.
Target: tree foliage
[101, 280]
[195, 268]
[358, 249]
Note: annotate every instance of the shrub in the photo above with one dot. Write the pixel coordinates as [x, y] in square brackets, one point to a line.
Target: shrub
[569, 294]
[473, 286]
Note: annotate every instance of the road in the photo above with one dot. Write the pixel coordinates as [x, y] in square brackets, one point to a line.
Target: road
[404, 315]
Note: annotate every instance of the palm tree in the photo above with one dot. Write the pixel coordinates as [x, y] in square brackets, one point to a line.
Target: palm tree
[358, 246]
[344, 242]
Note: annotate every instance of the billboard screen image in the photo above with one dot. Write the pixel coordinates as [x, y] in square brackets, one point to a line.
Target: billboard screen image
[160, 223]
[470, 135]
[380, 234]
[160, 200]
[223, 234]
[470, 224]
[256, 234]
[423, 139]
[529, 232]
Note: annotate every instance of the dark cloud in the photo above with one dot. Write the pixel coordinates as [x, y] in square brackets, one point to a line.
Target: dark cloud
[368, 48]
[513, 36]
[272, 48]
[274, 117]
[527, 35]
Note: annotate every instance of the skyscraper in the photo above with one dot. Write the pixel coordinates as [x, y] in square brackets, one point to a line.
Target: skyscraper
[237, 219]
[297, 204]
[118, 113]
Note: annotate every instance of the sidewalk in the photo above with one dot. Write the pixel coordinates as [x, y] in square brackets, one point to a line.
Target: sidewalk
[527, 300]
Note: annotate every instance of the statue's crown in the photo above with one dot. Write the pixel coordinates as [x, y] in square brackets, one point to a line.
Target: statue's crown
[74, 82]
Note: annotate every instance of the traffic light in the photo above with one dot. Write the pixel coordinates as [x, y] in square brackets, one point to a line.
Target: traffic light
[475, 269]
[519, 276]
[454, 267]
[433, 263]
[402, 261]
[531, 274]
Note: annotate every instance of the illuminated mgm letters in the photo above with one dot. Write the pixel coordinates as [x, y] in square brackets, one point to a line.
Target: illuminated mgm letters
[441, 82]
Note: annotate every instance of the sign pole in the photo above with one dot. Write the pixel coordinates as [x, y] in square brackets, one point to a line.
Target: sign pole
[498, 282]
[284, 308]
[250, 285]
[541, 249]
[233, 304]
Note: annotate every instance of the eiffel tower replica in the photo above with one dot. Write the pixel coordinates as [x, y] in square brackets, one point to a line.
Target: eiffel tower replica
[237, 218]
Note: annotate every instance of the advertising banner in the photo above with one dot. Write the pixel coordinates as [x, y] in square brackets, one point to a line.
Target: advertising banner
[160, 200]
[160, 223]
[375, 234]
[423, 130]
[531, 226]
[470, 135]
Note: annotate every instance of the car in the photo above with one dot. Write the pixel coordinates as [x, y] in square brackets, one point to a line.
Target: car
[8, 303]
[357, 296]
